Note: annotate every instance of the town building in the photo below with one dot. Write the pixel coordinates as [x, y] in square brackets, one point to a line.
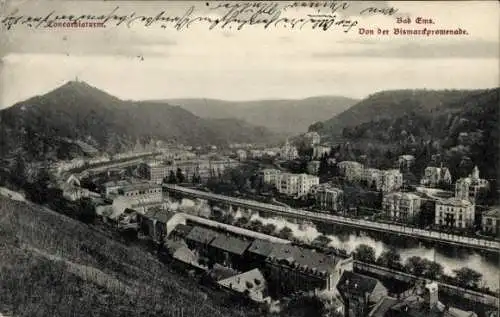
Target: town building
[111, 188]
[228, 250]
[270, 176]
[297, 185]
[140, 205]
[328, 197]
[491, 221]
[389, 180]
[256, 154]
[153, 224]
[352, 171]
[321, 150]
[313, 167]
[199, 238]
[371, 177]
[406, 161]
[435, 176]
[72, 191]
[201, 169]
[150, 191]
[472, 188]
[311, 139]
[359, 293]
[289, 152]
[454, 212]
[401, 207]
[241, 155]
[180, 255]
[251, 283]
[293, 268]
[422, 300]
[382, 180]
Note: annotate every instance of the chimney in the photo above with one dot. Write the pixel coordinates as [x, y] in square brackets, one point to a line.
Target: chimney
[431, 294]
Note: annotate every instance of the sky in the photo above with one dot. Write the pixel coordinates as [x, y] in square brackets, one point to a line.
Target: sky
[138, 62]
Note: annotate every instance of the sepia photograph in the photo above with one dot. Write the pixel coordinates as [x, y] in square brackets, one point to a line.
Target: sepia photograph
[249, 158]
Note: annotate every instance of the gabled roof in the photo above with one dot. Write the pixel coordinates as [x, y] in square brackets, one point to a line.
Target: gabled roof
[219, 272]
[244, 281]
[495, 213]
[158, 214]
[383, 306]
[304, 259]
[202, 235]
[356, 283]
[182, 230]
[262, 247]
[230, 244]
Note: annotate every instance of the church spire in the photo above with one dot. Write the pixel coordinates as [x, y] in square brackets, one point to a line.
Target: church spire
[475, 172]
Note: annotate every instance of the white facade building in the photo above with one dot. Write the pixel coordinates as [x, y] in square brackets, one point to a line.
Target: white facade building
[401, 207]
[320, 150]
[433, 176]
[352, 171]
[288, 152]
[471, 188]
[328, 197]
[270, 176]
[297, 185]
[312, 138]
[241, 154]
[389, 180]
[454, 212]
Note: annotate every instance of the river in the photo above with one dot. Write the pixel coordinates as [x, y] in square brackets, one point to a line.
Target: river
[308, 232]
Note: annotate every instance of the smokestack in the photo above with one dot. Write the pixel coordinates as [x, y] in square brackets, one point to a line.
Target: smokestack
[432, 296]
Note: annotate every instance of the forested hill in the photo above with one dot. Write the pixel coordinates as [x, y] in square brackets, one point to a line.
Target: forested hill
[286, 116]
[78, 111]
[456, 128]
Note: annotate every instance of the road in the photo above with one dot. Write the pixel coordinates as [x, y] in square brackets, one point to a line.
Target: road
[475, 243]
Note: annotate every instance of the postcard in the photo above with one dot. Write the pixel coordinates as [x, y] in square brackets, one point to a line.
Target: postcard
[249, 158]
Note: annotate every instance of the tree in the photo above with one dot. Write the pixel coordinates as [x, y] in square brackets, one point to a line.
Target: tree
[240, 222]
[434, 270]
[390, 259]
[180, 176]
[269, 228]
[286, 233]
[228, 218]
[255, 225]
[415, 265]
[467, 277]
[172, 179]
[40, 187]
[364, 253]
[19, 172]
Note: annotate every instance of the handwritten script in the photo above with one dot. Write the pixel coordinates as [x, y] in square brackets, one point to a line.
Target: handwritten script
[316, 15]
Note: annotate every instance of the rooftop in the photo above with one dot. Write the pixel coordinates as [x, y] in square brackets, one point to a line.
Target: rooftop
[383, 306]
[244, 281]
[139, 186]
[456, 202]
[230, 244]
[202, 235]
[354, 282]
[303, 258]
[262, 247]
[416, 306]
[219, 272]
[494, 213]
[182, 230]
[158, 214]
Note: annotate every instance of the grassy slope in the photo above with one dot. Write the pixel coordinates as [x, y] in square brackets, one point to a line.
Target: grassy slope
[51, 265]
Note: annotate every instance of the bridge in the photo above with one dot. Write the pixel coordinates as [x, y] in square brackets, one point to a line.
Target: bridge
[397, 229]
